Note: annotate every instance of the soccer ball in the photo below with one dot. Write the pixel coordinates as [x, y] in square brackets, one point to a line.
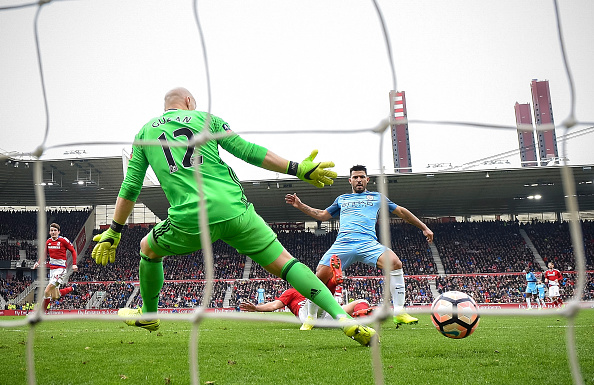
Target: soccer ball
[455, 314]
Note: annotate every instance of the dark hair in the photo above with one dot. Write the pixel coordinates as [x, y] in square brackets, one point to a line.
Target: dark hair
[55, 225]
[358, 167]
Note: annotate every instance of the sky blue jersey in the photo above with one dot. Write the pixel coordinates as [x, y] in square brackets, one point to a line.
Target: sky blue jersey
[358, 213]
[261, 292]
[530, 277]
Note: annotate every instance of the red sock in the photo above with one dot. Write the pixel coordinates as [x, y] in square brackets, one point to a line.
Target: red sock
[66, 290]
[46, 302]
[331, 284]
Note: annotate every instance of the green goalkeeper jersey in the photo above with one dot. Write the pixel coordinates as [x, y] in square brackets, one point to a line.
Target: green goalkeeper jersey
[174, 167]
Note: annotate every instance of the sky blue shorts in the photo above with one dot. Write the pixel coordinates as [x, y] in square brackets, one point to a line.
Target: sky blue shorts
[350, 251]
[531, 288]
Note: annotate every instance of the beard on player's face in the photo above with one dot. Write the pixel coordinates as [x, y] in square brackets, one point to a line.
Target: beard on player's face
[359, 185]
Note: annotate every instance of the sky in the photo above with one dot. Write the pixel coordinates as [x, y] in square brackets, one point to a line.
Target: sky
[281, 66]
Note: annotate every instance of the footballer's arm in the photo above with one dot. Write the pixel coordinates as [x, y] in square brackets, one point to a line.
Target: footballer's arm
[317, 214]
[409, 217]
[263, 307]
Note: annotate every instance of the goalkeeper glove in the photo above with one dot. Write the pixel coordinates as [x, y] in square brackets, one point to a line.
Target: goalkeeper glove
[107, 243]
[314, 173]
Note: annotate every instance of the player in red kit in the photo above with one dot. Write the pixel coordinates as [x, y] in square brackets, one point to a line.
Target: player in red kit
[55, 248]
[296, 302]
[553, 278]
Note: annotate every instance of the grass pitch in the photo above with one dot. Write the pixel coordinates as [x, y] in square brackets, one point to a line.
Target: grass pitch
[503, 350]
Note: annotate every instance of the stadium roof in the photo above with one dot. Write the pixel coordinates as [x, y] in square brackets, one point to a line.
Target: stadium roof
[96, 181]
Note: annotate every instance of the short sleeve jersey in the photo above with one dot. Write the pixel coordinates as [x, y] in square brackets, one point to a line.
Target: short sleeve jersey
[530, 277]
[293, 300]
[553, 275]
[358, 213]
[173, 160]
[56, 250]
[260, 294]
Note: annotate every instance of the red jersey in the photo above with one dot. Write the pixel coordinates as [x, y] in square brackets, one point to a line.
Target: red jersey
[56, 250]
[292, 299]
[553, 275]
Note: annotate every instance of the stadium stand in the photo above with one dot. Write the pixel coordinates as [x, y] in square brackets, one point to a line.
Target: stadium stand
[484, 259]
[553, 242]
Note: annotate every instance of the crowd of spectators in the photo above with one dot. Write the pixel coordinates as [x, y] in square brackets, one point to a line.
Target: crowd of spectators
[418, 290]
[9, 252]
[408, 243]
[10, 288]
[228, 264]
[76, 300]
[188, 294]
[506, 288]
[19, 230]
[464, 248]
[481, 247]
[22, 225]
[486, 288]
[553, 242]
[246, 290]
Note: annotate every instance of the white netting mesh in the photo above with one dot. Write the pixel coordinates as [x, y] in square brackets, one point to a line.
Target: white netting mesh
[569, 123]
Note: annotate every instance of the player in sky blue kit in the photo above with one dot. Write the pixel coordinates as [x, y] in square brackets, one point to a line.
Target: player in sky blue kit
[357, 240]
[261, 298]
[530, 287]
[542, 291]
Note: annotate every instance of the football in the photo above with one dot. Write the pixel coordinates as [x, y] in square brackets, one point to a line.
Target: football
[455, 314]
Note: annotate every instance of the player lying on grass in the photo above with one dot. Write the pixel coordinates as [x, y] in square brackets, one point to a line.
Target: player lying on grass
[231, 217]
[297, 303]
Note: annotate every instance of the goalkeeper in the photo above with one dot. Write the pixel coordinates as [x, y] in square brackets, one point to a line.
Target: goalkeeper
[231, 217]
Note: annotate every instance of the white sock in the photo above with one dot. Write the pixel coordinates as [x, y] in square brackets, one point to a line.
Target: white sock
[397, 290]
[528, 302]
[312, 309]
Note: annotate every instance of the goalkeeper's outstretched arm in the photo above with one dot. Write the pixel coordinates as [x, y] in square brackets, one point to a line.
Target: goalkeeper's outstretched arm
[123, 209]
[316, 173]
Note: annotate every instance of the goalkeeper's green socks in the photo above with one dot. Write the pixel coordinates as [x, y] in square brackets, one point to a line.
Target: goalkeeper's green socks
[306, 283]
[150, 274]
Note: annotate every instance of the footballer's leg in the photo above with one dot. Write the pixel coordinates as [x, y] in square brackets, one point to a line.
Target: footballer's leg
[324, 274]
[310, 320]
[397, 287]
[52, 289]
[66, 290]
[47, 297]
[151, 277]
[306, 283]
[337, 278]
[62, 280]
[130, 314]
[251, 236]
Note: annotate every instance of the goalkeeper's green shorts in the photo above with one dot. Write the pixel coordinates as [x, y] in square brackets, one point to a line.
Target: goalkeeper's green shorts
[247, 233]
